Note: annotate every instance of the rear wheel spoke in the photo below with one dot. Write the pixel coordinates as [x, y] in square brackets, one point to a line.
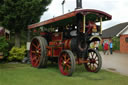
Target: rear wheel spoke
[37, 62]
[33, 52]
[34, 45]
[65, 56]
[68, 60]
[34, 58]
[65, 69]
[68, 66]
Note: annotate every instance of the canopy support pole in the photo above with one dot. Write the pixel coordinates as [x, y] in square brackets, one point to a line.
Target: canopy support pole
[84, 22]
[100, 25]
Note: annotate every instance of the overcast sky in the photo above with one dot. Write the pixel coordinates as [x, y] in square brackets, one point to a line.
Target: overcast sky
[116, 8]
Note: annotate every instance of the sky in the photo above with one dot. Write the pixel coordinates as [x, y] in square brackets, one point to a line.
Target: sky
[116, 8]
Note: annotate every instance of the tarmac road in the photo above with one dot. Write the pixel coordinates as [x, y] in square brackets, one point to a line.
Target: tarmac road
[117, 62]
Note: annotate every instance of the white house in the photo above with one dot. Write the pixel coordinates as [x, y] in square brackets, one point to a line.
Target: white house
[5, 32]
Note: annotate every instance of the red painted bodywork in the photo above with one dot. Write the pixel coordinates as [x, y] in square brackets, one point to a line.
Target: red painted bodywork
[56, 45]
[43, 33]
[57, 36]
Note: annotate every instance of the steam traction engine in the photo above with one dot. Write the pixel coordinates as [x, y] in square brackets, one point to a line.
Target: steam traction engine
[69, 39]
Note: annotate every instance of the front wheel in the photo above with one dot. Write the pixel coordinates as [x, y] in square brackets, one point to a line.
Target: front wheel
[94, 61]
[66, 63]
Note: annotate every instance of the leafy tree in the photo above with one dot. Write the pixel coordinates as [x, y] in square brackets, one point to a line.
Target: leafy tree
[16, 15]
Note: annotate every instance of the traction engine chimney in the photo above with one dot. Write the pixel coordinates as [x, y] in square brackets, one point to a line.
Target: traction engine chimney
[78, 4]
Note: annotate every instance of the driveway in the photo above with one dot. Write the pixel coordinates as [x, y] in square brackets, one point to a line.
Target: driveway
[117, 62]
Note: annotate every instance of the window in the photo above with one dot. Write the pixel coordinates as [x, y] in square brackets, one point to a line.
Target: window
[126, 39]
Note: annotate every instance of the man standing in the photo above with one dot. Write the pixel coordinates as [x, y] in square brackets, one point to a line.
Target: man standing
[110, 45]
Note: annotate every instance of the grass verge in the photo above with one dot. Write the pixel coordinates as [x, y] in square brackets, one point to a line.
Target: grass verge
[22, 74]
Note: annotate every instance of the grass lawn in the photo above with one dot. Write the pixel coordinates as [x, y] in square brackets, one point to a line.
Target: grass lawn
[22, 74]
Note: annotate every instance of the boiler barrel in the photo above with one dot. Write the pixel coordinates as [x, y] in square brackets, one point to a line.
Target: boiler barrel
[71, 44]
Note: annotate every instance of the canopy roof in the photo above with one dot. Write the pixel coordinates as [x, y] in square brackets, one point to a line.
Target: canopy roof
[70, 18]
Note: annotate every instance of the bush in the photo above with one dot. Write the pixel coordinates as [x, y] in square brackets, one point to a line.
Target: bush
[4, 46]
[17, 54]
[116, 43]
[100, 47]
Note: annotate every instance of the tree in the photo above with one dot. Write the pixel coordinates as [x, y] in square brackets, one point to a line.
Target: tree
[16, 15]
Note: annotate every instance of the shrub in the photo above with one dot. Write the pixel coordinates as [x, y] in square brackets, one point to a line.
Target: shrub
[4, 46]
[17, 54]
[116, 43]
[100, 47]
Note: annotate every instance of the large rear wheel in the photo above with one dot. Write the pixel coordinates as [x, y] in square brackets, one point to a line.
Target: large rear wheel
[38, 52]
[66, 63]
[94, 61]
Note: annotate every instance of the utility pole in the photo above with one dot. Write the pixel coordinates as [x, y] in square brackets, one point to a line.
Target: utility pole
[63, 6]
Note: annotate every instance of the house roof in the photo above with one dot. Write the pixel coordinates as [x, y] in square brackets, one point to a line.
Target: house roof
[114, 30]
